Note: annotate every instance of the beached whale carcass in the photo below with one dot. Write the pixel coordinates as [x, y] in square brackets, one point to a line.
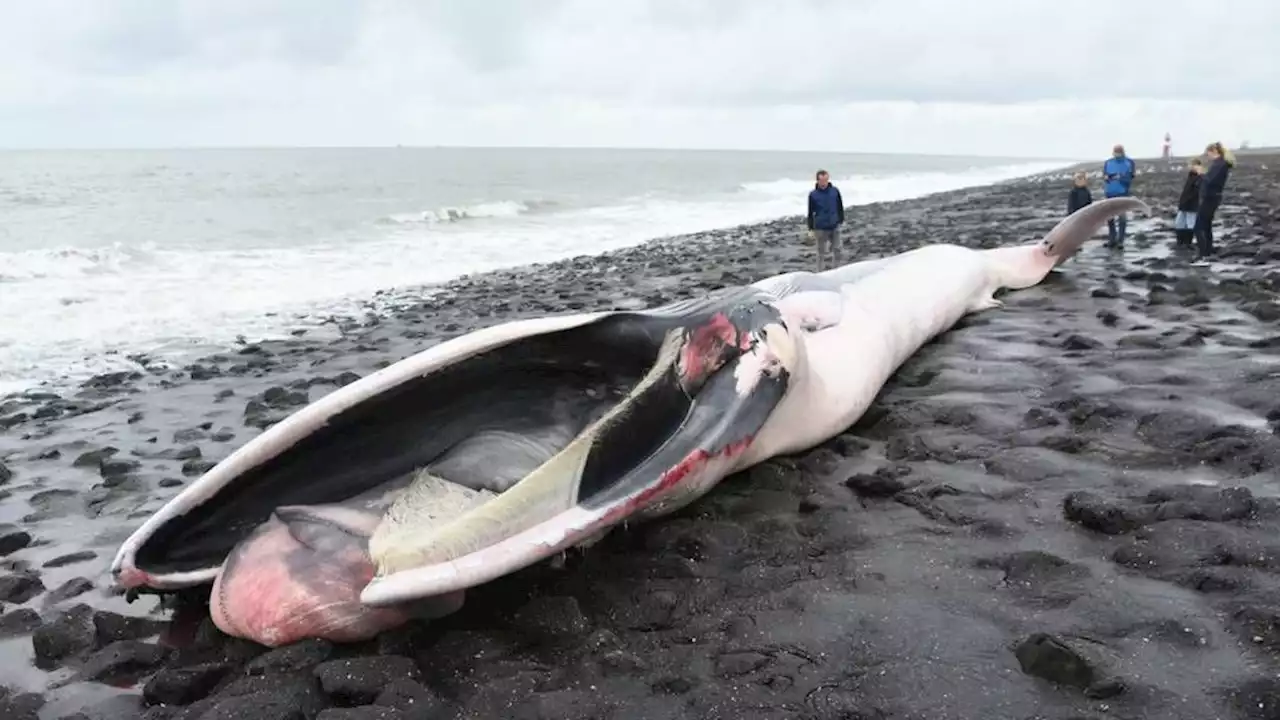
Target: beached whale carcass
[389, 498]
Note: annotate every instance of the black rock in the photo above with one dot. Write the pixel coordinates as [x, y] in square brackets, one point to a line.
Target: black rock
[109, 627]
[186, 452]
[884, 482]
[302, 655]
[18, 622]
[1080, 342]
[117, 469]
[94, 458]
[22, 706]
[368, 712]
[70, 559]
[72, 588]
[1096, 513]
[13, 539]
[196, 466]
[1047, 657]
[67, 635]
[411, 696]
[189, 435]
[266, 705]
[123, 660]
[20, 587]
[357, 681]
[183, 686]
[5, 473]
[274, 697]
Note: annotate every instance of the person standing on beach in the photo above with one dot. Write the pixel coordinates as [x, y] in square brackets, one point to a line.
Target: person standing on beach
[1184, 223]
[1117, 176]
[826, 214]
[1079, 195]
[1221, 160]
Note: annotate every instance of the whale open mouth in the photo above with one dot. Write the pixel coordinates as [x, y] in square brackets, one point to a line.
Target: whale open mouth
[466, 462]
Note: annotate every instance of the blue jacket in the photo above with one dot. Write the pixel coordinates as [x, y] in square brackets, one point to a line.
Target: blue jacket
[1215, 180]
[1117, 175]
[826, 208]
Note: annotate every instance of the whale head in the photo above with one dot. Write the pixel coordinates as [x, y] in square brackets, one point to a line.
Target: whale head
[390, 497]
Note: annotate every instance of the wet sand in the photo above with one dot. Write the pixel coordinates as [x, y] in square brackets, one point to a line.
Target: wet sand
[1065, 508]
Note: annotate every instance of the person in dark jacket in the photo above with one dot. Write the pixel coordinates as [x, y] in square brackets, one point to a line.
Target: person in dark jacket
[1184, 223]
[1117, 177]
[826, 215]
[1079, 195]
[1221, 160]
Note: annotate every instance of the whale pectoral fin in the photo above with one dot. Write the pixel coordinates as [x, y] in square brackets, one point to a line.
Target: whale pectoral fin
[1022, 266]
[812, 311]
[986, 303]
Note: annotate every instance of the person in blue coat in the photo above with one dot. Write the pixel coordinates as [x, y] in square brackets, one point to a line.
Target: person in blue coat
[1117, 177]
[826, 215]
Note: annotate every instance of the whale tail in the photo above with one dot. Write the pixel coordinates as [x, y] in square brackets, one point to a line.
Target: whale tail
[1026, 265]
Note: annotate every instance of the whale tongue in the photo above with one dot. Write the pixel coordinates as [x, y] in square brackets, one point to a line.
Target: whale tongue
[299, 575]
[685, 421]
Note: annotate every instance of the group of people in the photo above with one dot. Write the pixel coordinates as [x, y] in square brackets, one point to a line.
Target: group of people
[1197, 203]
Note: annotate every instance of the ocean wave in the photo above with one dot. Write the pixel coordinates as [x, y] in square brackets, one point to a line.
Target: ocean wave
[72, 262]
[868, 188]
[484, 210]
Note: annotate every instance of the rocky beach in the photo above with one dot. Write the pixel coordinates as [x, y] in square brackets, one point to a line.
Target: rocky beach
[1067, 508]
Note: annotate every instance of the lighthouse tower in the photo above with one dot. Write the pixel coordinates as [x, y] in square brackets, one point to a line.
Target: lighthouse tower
[1166, 150]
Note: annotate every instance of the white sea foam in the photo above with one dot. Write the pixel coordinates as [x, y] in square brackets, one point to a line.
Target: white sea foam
[69, 312]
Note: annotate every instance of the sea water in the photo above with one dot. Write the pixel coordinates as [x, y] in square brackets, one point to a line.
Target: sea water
[166, 252]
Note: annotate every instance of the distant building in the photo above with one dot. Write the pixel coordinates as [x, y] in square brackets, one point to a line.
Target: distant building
[1166, 150]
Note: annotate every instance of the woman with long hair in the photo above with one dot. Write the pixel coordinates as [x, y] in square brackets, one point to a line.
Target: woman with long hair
[1221, 160]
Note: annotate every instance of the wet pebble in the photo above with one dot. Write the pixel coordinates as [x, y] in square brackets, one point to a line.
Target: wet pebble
[19, 587]
[185, 685]
[72, 588]
[357, 681]
[13, 539]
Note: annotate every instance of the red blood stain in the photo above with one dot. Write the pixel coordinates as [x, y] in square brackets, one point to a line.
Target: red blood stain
[708, 346]
[692, 462]
[132, 577]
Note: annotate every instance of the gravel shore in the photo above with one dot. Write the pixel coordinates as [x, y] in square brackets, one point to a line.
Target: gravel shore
[1065, 508]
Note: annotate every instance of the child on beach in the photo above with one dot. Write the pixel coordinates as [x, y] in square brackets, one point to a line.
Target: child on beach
[1184, 223]
[1079, 195]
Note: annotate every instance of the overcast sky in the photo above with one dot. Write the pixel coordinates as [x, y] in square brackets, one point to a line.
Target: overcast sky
[1021, 77]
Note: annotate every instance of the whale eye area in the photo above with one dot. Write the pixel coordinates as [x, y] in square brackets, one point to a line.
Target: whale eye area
[708, 347]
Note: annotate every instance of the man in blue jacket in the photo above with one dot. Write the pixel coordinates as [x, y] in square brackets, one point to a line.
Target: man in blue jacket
[826, 214]
[1117, 176]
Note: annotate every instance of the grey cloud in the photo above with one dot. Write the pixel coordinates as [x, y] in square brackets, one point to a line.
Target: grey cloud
[395, 63]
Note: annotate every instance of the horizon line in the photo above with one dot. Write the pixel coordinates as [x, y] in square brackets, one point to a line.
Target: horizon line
[416, 146]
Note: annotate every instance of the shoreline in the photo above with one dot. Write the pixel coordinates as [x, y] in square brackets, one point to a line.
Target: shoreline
[383, 301]
[1096, 460]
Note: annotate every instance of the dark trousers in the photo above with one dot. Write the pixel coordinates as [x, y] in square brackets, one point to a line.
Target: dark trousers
[1204, 225]
[1116, 227]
